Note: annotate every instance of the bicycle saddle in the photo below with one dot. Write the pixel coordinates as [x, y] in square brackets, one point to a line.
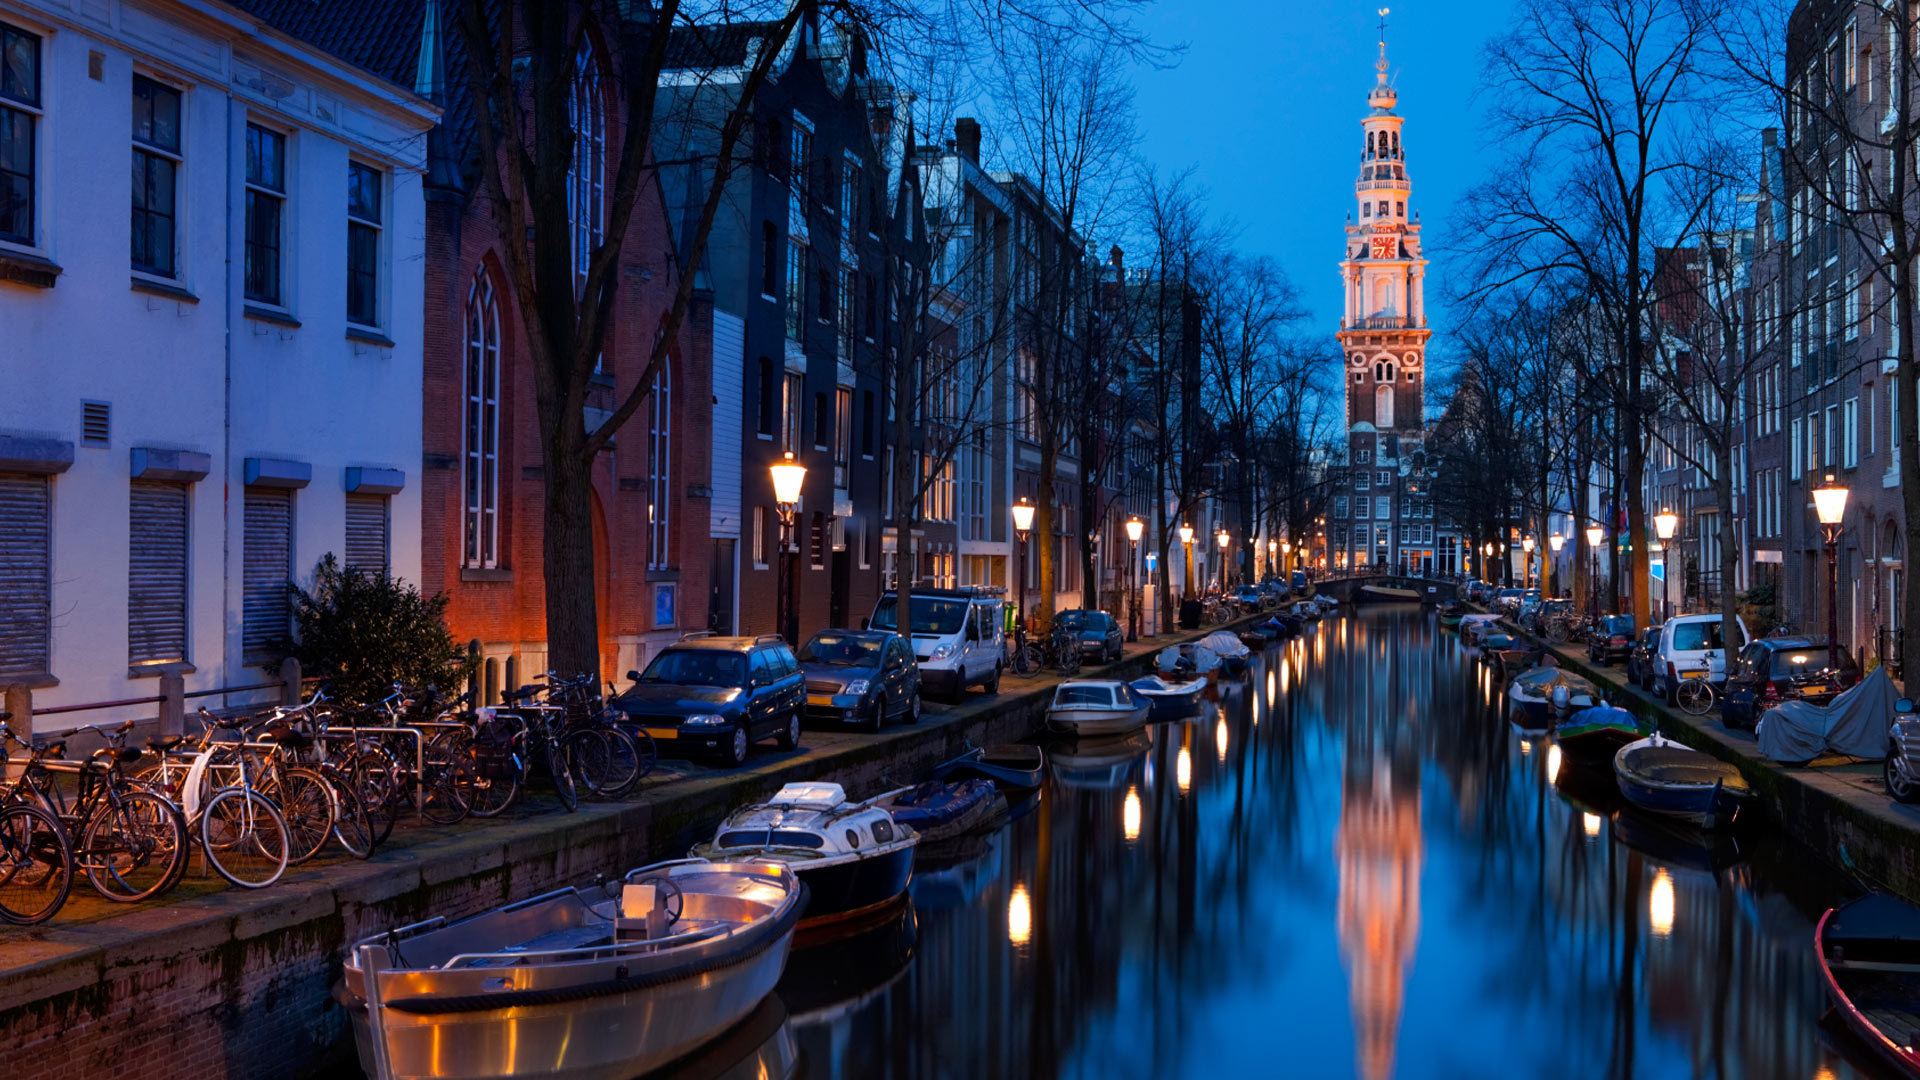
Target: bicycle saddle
[285, 735]
[522, 694]
[164, 743]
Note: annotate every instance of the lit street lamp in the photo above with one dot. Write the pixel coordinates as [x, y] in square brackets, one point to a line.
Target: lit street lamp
[1830, 506]
[1556, 542]
[1526, 579]
[1186, 542]
[1595, 537]
[1272, 565]
[1224, 541]
[1022, 524]
[788, 478]
[1135, 527]
[1665, 524]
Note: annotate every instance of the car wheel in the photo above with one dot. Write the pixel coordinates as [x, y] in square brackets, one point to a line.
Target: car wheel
[1899, 785]
[789, 737]
[992, 687]
[736, 753]
[876, 719]
[913, 707]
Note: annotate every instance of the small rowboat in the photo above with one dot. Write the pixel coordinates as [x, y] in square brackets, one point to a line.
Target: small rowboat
[1599, 730]
[1869, 954]
[1167, 700]
[942, 809]
[1014, 767]
[1661, 776]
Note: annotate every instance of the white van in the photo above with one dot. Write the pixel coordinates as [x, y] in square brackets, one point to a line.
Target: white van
[1691, 645]
[957, 636]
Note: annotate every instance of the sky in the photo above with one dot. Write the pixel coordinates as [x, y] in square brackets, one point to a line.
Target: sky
[1267, 102]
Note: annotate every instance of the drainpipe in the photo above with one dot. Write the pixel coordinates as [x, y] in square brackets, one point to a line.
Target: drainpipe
[226, 420]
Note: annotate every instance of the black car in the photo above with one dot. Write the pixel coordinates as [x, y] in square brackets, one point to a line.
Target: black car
[1771, 670]
[863, 677]
[1640, 660]
[1098, 633]
[717, 695]
[1611, 640]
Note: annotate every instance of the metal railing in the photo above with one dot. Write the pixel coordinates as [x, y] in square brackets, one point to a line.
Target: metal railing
[1386, 322]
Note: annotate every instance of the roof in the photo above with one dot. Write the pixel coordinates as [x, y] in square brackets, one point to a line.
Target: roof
[719, 643]
[712, 46]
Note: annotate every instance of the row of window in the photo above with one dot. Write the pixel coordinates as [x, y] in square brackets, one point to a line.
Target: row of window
[1830, 438]
[159, 167]
[159, 542]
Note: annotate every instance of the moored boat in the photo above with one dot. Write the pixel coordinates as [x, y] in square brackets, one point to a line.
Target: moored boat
[853, 857]
[1387, 594]
[1869, 955]
[1234, 656]
[575, 983]
[1598, 730]
[1537, 694]
[943, 809]
[1169, 700]
[1014, 767]
[1661, 776]
[1096, 707]
[1105, 762]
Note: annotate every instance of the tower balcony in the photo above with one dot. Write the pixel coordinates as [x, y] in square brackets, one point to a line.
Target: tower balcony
[1384, 322]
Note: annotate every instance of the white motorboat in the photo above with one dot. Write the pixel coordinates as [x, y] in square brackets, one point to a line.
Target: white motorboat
[853, 857]
[1096, 707]
[1170, 700]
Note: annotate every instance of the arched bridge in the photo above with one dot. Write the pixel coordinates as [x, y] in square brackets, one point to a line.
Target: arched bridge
[1387, 588]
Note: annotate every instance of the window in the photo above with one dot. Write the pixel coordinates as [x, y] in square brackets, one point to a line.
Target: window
[761, 555]
[1383, 478]
[482, 460]
[1363, 508]
[363, 244]
[586, 173]
[266, 207]
[156, 165]
[796, 287]
[19, 113]
[822, 421]
[800, 154]
[842, 434]
[369, 532]
[866, 424]
[660, 469]
[1383, 406]
[1850, 435]
[769, 260]
[26, 582]
[1814, 442]
[1793, 449]
[267, 561]
[769, 393]
[791, 391]
[849, 198]
[1382, 510]
[157, 573]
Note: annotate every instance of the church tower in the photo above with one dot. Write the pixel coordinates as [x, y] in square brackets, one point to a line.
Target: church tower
[1383, 339]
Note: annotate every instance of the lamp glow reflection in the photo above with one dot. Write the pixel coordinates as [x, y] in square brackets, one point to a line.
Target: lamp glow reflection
[1270, 695]
[1660, 904]
[1553, 763]
[1019, 916]
[1183, 770]
[1591, 823]
[1220, 738]
[1130, 815]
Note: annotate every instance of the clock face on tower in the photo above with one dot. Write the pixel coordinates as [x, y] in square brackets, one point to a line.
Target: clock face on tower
[1383, 247]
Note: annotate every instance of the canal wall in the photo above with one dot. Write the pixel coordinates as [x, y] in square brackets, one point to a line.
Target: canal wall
[237, 983]
[1842, 812]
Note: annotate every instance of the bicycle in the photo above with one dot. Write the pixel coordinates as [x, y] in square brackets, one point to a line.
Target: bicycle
[1060, 651]
[243, 835]
[133, 842]
[36, 861]
[1695, 695]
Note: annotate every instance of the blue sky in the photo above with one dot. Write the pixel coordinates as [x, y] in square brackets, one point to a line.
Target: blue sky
[1267, 102]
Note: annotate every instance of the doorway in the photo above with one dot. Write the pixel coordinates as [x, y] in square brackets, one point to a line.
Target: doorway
[720, 593]
[842, 585]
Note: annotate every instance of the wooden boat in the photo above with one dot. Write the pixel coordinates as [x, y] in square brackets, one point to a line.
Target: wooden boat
[942, 809]
[575, 983]
[1168, 700]
[1386, 594]
[1096, 707]
[1014, 767]
[1598, 730]
[853, 857]
[1661, 776]
[1869, 954]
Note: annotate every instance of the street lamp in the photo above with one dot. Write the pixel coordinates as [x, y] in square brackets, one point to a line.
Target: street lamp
[1595, 537]
[1135, 527]
[1556, 542]
[1224, 541]
[1022, 524]
[1286, 553]
[1665, 524]
[788, 478]
[1830, 505]
[1186, 543]
[1526, 545]
[1272, 565]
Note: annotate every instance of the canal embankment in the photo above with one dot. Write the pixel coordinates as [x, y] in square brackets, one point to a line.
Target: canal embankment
[1841, 809]
[237, 983]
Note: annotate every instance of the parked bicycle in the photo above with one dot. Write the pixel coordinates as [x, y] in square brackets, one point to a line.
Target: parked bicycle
[1059, 651]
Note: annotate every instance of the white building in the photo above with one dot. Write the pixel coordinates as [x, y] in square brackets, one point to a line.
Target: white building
[210, 369]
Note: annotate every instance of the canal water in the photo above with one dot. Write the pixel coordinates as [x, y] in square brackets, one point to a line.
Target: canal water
[1351, 866]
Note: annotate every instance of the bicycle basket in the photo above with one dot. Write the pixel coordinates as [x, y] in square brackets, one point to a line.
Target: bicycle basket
[492, 750]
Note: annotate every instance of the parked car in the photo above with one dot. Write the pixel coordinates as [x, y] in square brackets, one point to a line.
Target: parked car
[1770, 670]
[863, 677]
[1611, 640]
[1640, 659]
[716, 695]
[958, 640]
[1249, 597]
[1507, 601]
[1691, 645]
[1101, 640]
[1300, 581]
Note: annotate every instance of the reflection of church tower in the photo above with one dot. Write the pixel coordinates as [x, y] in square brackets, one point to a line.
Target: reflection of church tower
[1383, 337]
[1378, 848]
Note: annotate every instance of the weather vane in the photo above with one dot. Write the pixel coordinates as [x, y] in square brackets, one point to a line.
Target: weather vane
[1383, 25]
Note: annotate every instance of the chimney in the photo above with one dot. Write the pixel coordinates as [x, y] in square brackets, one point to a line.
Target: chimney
[966, 135]
[1118, 262]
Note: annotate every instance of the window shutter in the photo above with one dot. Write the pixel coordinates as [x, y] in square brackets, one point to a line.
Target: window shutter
[268, 560]
[157, 573]
[25, 593]
[367, 531]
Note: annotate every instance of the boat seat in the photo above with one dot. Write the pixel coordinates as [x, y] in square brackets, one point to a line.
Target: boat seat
[572, 937]
[1676, 766]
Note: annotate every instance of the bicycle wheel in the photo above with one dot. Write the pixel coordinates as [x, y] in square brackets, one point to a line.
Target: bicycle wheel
[560, 771]
[646, 752]
[1695, 696]
[244, 837]
[36, 865]
[306, 803]
[606, 761]
[1029, 660]
[133, 850]
[351, 826]
[1557, 633]
[376, 782]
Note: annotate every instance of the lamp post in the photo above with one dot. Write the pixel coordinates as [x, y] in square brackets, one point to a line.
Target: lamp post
[1273, 567]
[1286, 554]
[788, 478]
[1556, 542]
[1022, 524]
[1186, 544]
[1135, 527]
[1595, 537]
[1665, 524]
[1830, 506]
[1526, 579]
[1224, 541]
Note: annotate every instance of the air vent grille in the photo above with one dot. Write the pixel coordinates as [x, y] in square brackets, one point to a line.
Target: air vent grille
[95, 422]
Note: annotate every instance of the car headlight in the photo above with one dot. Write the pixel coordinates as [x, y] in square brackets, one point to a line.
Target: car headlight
[856, 688]
[704, 720]
[941, 652]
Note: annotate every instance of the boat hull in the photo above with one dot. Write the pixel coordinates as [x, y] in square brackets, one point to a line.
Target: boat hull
[1009, 771]
[1081, 722]
[1594, 741]
[1675, 781]
[1713, 808]
[847, 889]
[1844, 990]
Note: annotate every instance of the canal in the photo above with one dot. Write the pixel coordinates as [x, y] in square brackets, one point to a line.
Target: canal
[1350, 866]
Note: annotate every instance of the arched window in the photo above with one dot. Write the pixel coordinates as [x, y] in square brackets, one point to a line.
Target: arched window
[1383, 406]
[1369, 145]
[586, 176]
[1366, 209]
[660, 469]
[483, 425]
[1383, 371]
[1383, 208]
[1396, 144]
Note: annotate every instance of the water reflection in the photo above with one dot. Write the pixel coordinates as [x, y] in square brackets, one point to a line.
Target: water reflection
[1377, 880]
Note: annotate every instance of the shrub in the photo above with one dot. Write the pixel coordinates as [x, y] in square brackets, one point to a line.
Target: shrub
[364, 630]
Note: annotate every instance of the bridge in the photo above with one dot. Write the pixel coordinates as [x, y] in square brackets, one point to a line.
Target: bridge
[1368, 587]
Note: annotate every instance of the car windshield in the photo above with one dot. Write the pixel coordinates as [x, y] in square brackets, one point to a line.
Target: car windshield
[1620, 624]
[1081, 620]
[931, 615]
[1698, 635]
[1788, 663]
[842, 649]
[696, 667]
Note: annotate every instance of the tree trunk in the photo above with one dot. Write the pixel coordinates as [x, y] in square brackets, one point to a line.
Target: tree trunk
[1729, 553]
[573, 632]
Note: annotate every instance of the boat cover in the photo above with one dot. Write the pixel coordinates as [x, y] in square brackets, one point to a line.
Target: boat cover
[1854, 723]
[1542, 680]
[1225, 644]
